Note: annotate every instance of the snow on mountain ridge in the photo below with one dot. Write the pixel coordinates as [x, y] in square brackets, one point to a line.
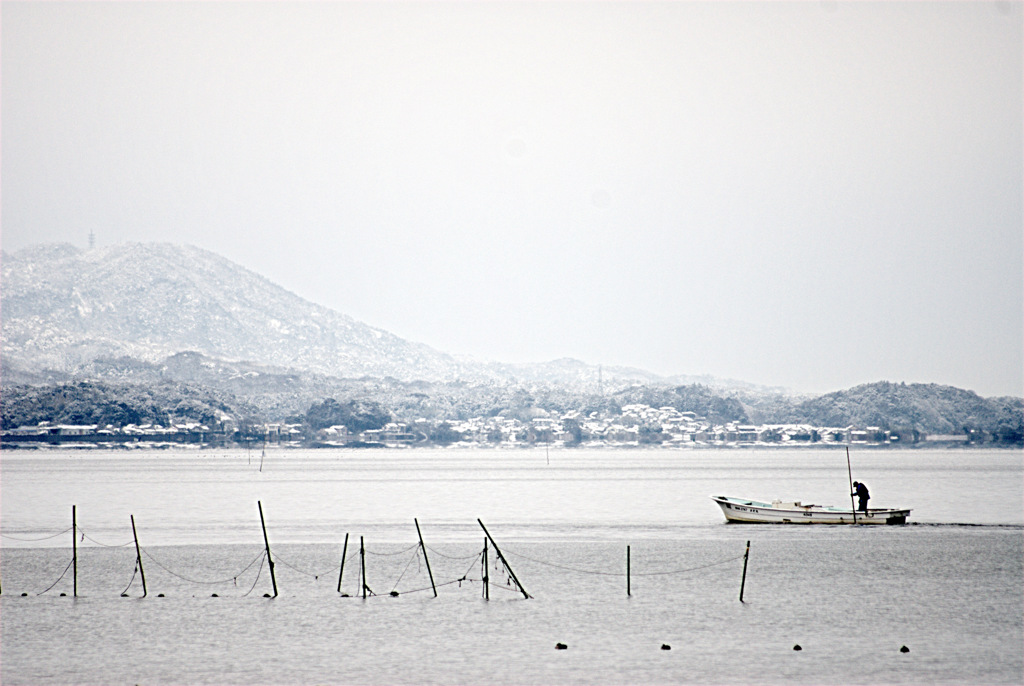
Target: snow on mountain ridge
[63, 307]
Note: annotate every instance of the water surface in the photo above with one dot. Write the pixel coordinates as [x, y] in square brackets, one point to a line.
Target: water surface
[948, 586]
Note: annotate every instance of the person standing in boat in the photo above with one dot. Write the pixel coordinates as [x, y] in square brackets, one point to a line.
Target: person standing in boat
[861, 491]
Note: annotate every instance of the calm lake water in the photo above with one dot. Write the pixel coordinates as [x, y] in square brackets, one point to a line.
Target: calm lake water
[949, 586]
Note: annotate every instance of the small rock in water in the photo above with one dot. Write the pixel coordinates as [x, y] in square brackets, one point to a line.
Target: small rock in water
[666, 646]
[797, 647]
[904, 649]
[560, 646]
[394, 594]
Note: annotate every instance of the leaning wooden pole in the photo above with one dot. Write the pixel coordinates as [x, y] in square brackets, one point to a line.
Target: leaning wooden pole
[424, 549]
[266, 542]
[341, 572]
[743, 581]
[501, 557]
[138, 556]
[849, 472]
[74, 549]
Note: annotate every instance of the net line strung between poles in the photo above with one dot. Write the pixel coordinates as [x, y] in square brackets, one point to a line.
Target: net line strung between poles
[622, 574]
[465, 577]
[105, 545]
[70, 562]
[316, 576]
[234, 579]
[33, 540]
[399, 552]
[450, 557]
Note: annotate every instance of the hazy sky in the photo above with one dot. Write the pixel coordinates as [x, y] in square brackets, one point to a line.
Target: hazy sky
[807, 194]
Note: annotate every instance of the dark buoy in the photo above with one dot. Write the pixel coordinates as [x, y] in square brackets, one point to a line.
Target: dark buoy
[24, 594]
[124, 595]
[560, 646]
[266, 595]
[63, 595]
[214, 595]
[159, 595]
[904, 649]
[345, 595]
[394, 594]
[666, 646]
[797, 647]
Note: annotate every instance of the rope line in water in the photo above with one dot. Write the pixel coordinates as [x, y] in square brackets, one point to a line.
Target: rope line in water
[263, 558]
[622, 574]
[196, 581]
[70, 562]
[278, 558]
[132, 579]
[691, 569]
[33, 540]
[105, 545]
[415, 556]
[400, 552]
[461, 557]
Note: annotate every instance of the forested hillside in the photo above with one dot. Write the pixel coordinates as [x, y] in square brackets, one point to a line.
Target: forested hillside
[367, 403]
[82, 403]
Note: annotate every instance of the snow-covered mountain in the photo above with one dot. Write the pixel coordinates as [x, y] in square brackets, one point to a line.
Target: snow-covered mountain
[63, 307]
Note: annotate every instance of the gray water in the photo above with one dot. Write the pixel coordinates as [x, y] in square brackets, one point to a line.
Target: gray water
[948, 586]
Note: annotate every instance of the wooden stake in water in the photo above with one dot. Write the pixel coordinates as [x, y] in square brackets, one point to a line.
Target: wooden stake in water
[743, 581]
[74, 548]
[501, 557]
[362, 565]
[344, 551]
[487, 578]
[424, 549]
[138, 556]
[628, 593]
[266, 541]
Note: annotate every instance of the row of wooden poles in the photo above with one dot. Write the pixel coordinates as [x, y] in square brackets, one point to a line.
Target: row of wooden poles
[270, 559]
[362, 559]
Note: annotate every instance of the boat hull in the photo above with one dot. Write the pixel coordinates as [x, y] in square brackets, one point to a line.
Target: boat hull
[742, 511]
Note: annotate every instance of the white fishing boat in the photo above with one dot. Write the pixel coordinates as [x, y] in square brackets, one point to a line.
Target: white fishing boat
[741, 510]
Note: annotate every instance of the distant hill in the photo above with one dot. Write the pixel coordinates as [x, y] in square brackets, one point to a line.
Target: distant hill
[210, 333]
[931, 408]
[64, 308]
[69, 313]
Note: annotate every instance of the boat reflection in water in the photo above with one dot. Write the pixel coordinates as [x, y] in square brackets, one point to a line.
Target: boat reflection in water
[741, 510]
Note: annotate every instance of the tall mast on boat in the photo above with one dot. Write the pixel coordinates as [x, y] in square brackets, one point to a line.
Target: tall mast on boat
[849, 472]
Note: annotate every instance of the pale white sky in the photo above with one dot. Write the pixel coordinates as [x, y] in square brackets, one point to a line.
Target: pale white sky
[806, 194]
